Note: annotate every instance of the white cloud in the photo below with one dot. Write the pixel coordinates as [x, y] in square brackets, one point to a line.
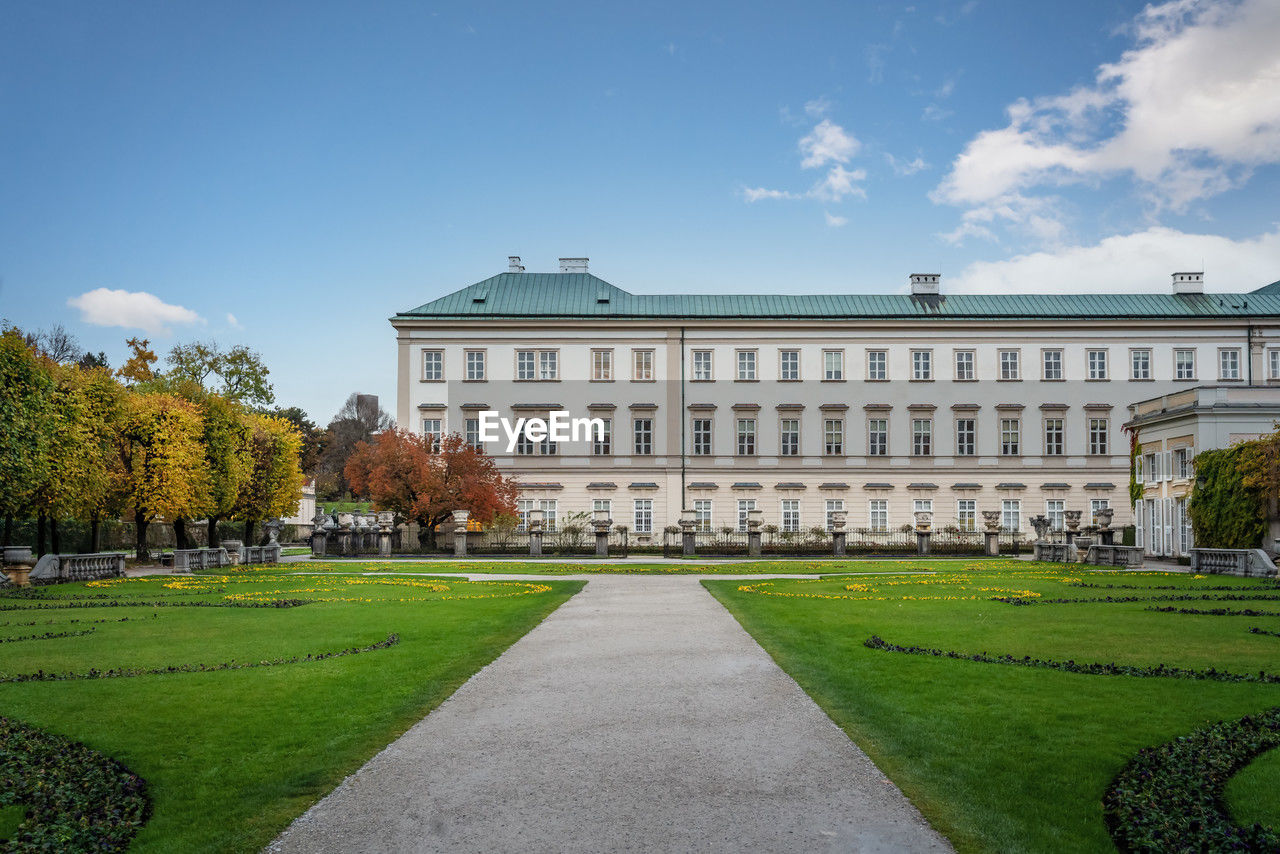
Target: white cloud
[755, 194]
[905, 167]
[838, 184]
[1130, 263]
[232, 322]
[934, 113]
[1186, 114]
[818, 107]
[827, 143]
[834, 221]
[131, 309]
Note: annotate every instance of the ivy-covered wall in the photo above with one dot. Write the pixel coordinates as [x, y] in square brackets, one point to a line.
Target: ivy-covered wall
[1225, 512]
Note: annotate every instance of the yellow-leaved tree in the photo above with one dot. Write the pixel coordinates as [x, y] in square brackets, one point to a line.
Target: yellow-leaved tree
[275, 484]
[162, 460]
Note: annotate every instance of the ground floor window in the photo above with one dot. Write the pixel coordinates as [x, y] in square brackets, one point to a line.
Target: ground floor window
[967, 514]
[1011, 514]
[790, 514]
[1054, 509]
[702, 514]
[1096, 504]
[604, 504]
[643, 516]
[878, 514]
[745, 506]
[834, 505]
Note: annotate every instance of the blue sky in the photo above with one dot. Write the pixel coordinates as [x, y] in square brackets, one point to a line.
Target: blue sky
[288, 175]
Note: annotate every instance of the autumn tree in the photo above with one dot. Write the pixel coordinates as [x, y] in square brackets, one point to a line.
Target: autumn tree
[140, 366]
[274, 485]
[359, 420]
[313, 438]
[25, 432]
[162, 460]
[241, 374]
[425, 481]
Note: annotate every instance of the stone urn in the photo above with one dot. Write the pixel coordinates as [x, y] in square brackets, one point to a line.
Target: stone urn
[754, 519]
[1041, 524]
[924, 521]
[1103, 518]
[991, 518]
[1072, 519]
[838, 518]
[17, 564]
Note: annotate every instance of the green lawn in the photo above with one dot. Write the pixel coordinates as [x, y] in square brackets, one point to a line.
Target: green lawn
[231, 757]
[1011, 758]
[560, 567]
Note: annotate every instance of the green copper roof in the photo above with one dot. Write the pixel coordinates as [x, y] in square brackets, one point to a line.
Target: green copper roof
[582, 295]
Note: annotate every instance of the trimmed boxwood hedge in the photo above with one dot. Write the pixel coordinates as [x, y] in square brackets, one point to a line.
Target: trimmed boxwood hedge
[76, 799]
[1169, 798]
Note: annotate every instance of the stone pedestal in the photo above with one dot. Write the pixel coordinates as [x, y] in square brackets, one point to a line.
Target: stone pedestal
[838, 544]
[923, 539]
[460, 532]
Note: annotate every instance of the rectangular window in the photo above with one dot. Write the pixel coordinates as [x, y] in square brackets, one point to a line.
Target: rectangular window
[524, 445]
[547, 447]
[1009, 368]
[789, 435]
[1273, 364]
[548, 508]
[701, 436]
[1053, 364]
[472, 430]
[526, 365]
[1054, 509]
[702, 514]
[548, 365]
[431, 427]
[642, 362]
[789, 365]
[921, 437]
[433, 365]
[643, 435]
[475, 366]
[833, 505]
[602, 366]
[790, 515]
[922, 365]
[1011, 514]
[745, 506]
[1098, 436]
[964, 365]
[602, 505]
[833, 437]
[702, 366]
[746, 437]
[1096, 504]
[878, 514]
[1182, 464]
[966, 437]
[643, 515]
[877, 365]
[922, 505]
[746, 365]
[1229, 364]
[1152, 468]
[523, 506]
[1054, 439]
[1140, 361]
[878, 437]
[602, 440]
[1010, 437]
[833, 365]
[967, 514]
[1097, 364]
[1184, 364]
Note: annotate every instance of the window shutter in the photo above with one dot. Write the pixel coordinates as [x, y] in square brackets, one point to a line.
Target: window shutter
[1138, 513]
[1168, 465]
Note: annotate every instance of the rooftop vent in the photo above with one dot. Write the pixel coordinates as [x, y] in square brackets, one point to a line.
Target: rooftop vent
[1188, 283]
[514, 265]
[573, 265]
[923, 284]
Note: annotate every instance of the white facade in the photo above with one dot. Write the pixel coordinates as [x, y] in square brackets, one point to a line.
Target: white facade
[875, 416]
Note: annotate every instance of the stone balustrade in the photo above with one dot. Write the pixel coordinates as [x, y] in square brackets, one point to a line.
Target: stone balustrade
[1251, 563]
[81, 567]
[185, 560]
[1103, 554]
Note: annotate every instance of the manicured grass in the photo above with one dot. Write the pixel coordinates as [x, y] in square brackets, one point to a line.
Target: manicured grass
[1008, 758]
[230, 757]
[552, 567]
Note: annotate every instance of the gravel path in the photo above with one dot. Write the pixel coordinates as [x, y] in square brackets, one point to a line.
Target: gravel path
[638, 717]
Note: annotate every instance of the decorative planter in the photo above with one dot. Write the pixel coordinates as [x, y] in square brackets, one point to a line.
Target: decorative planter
[19, 575]
[17, 554]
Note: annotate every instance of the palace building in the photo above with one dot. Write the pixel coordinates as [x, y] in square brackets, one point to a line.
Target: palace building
[878, 405]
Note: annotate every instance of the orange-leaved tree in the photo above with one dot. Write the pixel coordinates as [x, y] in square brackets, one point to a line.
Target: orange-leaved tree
[425, 480]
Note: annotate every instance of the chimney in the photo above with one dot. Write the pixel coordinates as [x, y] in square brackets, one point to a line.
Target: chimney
[1188, 283]
[514, 265]
[924, 284]
[573, 265]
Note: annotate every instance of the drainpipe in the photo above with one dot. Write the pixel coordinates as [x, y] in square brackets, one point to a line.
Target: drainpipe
[1248, 349]
[683, 423]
